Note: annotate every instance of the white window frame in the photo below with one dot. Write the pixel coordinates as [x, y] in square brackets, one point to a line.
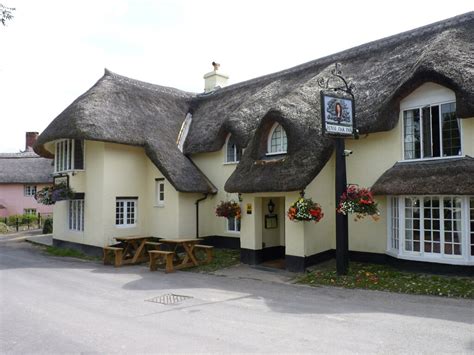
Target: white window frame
[30, 190]
[75, 215]
[126, 211]
[236, 223]
[66, 164]
[235, 151]
[29, 211]
[269, 141]
[464, 259]
[160, 194]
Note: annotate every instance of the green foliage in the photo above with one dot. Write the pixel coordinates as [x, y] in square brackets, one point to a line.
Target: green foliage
[3, 228]
[23, 219]
[222, 258]
[387, 278]
[49, 195]
[6, 13]
[48, 226]
[69, 253]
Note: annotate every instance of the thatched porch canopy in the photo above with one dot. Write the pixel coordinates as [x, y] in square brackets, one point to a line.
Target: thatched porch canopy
[453, 176]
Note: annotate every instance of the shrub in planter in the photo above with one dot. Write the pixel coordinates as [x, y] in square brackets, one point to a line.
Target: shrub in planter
[51, 194]
[48, 226]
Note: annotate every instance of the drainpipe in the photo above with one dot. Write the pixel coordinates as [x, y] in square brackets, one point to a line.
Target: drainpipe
[197, 213]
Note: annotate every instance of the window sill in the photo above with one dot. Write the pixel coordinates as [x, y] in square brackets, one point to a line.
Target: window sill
[231, 163]
[276, 153]
[451, 260]
[431, 159]
[124, 226]
[233, 232]
[159, 206]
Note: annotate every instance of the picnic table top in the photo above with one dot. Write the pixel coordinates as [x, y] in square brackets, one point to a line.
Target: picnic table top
[182, 240]
[132, 237]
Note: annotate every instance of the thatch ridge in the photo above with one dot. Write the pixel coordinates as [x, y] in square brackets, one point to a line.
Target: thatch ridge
[383, 73]
[453, 176]
[121, 110]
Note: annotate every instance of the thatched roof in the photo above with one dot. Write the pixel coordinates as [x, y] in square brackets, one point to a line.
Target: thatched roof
[25, 168]
[454, 176]
[122, 110]
[383, 72]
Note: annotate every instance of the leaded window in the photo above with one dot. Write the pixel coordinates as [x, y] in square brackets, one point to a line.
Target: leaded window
[431, 131]
[126, 212]
[76, 215]
[278, 143]
[233, 152]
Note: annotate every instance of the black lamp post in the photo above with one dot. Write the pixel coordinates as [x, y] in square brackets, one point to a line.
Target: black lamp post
[271, 207]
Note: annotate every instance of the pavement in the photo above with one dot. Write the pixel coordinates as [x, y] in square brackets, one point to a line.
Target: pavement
[64, 305]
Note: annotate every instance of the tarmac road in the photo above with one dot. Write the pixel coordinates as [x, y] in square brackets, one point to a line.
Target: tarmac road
[63, 305]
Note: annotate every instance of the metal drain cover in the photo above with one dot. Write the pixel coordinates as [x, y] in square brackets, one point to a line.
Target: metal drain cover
[169, 298]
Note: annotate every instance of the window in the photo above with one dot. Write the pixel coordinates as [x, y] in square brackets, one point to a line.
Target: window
[233, 224]
[69, 155]
[76, 215]
[471, 224]
[160, 192]
[431, 131]
[432, 226]
[233, 152]
[277, 142]
[30, 190]
[29, 211]
[126, 212]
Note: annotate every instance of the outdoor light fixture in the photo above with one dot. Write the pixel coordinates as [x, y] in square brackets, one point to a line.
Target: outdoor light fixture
[271, 207]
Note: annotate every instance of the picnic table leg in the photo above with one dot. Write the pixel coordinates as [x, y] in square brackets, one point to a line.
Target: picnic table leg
[138, 251]
[189, 254]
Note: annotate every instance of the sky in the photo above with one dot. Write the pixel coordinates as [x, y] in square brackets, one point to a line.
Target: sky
[53, 51]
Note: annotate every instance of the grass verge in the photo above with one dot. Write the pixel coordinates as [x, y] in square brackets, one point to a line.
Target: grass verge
[222, 258]
[69, 253]
[387, 278]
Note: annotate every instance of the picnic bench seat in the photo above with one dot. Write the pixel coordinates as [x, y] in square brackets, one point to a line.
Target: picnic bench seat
[117, 253]
[207, 248]
[153, 245]
[167, 256]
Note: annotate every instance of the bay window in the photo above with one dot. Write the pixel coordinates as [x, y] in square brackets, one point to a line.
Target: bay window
[432, 228]
[69, 155]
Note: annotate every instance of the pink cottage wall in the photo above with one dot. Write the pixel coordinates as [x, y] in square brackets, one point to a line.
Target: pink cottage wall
[13, 198]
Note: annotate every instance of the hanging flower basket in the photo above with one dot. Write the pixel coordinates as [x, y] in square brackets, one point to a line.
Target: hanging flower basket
[304, 209]
[358, 200]
[51, 194]
[228, 209]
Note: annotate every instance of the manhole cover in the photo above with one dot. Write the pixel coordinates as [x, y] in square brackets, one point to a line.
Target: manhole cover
[168, 299]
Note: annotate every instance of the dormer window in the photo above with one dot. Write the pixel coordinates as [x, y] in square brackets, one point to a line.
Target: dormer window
[430, 126]
[233, 152]
[277, 141]
[69, 155]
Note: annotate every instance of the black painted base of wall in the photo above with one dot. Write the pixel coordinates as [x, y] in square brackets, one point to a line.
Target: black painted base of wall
[218, 241]
[83, 248]
[300, 263]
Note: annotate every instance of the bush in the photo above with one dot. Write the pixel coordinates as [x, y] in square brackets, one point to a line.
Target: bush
[3, 228]
[48, 226]
[13, 218]
[29, 218]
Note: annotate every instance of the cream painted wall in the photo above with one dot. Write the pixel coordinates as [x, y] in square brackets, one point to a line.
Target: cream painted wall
[213, 166]
[467, 128]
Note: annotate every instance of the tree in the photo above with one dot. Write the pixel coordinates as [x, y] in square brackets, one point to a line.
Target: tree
[6, 13]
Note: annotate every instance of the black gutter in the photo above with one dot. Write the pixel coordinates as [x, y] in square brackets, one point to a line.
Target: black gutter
[197, 213]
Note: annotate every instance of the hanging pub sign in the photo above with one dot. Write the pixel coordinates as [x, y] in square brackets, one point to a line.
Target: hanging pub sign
[61, 179]
[337, 115]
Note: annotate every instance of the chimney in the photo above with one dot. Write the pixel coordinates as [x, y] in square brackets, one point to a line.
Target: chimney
[31, 138]
[214, 80]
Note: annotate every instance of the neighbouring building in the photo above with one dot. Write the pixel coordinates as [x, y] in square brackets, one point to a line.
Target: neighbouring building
[21, 175]
[153, 160]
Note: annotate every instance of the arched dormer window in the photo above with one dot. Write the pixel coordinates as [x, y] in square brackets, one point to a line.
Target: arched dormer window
[233, 152]
[277, 141]
[430, 126]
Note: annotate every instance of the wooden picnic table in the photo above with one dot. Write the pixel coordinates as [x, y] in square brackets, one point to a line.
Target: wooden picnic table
[189, 258]
[134, 248]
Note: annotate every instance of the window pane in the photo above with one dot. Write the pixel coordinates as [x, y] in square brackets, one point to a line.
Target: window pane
[450, 127]
[411, 120]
